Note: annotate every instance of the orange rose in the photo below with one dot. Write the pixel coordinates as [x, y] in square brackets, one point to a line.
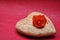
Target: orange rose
[39, 21]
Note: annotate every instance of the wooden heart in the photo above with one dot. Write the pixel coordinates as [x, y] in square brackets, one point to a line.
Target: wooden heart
[25, 26]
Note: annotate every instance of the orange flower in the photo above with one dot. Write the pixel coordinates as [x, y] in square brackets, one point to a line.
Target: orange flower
[39, 21]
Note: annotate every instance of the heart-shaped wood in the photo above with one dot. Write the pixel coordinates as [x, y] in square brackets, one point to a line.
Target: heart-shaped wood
[25, 26]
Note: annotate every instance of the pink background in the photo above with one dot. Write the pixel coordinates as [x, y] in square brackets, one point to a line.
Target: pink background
[12, 11]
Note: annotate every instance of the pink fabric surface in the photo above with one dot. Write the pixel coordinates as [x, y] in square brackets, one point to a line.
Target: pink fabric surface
[13, 11]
